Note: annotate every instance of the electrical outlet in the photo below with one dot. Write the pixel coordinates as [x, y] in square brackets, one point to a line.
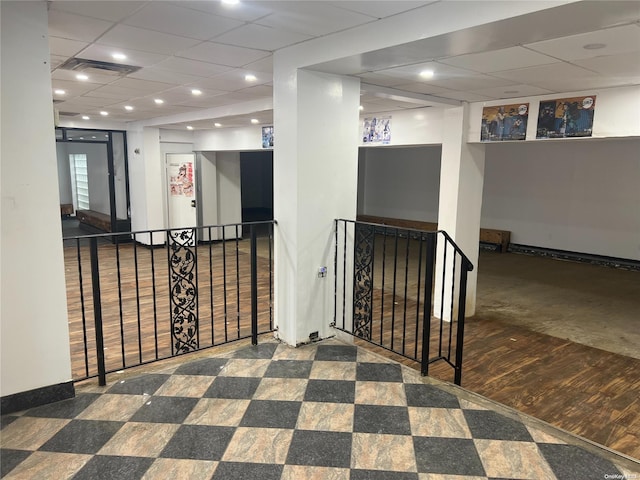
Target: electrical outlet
[322, 272]
[314, 336]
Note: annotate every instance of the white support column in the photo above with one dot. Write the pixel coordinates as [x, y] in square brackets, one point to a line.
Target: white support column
[460, 205]
[315, 182]
[34, 330]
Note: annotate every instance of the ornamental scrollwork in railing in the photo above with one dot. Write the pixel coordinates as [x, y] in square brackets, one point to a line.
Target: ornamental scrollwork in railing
[363, 281]
[184, 293]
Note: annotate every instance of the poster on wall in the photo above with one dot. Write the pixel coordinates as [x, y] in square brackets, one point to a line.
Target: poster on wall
[504, 122]
[377, 130]
[181, 185]
[566, 117]
[267, 137]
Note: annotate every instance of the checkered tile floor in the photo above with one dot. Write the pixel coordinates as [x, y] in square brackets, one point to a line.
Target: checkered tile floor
[323, 411]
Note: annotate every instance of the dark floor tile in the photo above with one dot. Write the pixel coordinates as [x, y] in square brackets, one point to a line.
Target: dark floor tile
[7, 420]
[262, 350]
[289, 369]
[69, 408]
[165, 410]
[569, 462]
[82, 436]
[198, 442]
[491, 425]
[337, 353]
[419, 395]
[381, 475]
[144, 385]
[102, 467]
[10, 459]
[247, 471]
[209, 367]
[233, 387]
[322, 449]
[381, 419]
[378, 372]
[271, 414]
[452, 456]
[333, 391]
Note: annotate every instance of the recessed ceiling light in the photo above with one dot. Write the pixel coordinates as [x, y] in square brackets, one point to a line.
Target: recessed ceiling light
[594, 46]
[158, 101]
[93, 136]
[59, 91]
[128, 108]
[189, 127]
[195, 91]
[230, 2]
[427, 74]
[84, 117]
[250, 77]
[82, 76]
[255, 120]
[81, 138]
[119, 56]
[217, 124]
[104, 114]
[360, 108]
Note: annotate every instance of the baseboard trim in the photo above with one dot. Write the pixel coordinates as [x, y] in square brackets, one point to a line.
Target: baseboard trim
[36, 397]
[612, 262]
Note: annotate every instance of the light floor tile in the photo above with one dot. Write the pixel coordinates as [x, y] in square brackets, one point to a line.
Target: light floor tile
[140, 439]
[217, 411]
[383, 452]
[440, 476]
[178, 469]
[49, 465]
[281, 389]
[322, 370]
[469, 405]
[285, 352]
[118, 408]
[259, 445]
[542, 437]
[240, 367]
[185, 386]
[30, 433]
[333, 417]
[299, 472]
[520, 460]
[368, 357]
[380, 393]
[411, 376]
[438, 422]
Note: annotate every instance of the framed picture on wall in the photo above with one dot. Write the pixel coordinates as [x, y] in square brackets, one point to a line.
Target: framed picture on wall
[267, 137]
[504, 122]
[566, 117]
[377, 130]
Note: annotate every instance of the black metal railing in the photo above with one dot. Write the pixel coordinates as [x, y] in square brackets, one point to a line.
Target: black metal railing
[400, 298]
[137, 297]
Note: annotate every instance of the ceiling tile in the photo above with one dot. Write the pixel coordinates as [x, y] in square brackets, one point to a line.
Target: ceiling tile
[421, 87]
[464, 96]
[258, 91]
[183, 95]
[114, 92]
[265, 65]
[91, 101]
[559, 84]
[232, 81]
[244, 11]
[505, 59]
[164, 76]
[379, 9]
[512, 91]
[617, 40]
[223, 54]
[169, 18]
[94, 77]
[57, 60]
[623, 65]
[142, 85]
[111, 10]
[191, 67]
[103, 53]
[312, 18]
[146, 40]
[65, 47]
[261, 37]
[73, 88]
[382, 80]
[75, 27]
[533, 75]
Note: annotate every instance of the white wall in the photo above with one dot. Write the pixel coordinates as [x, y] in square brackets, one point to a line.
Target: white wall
[418, 126]
[576, 196]
[229, 139]
[34, 335]
[400, 182]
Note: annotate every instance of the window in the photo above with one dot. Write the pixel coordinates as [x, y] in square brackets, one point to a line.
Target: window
[79, 181]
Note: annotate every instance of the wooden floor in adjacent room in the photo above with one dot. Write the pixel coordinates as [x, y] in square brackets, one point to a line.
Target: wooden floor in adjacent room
[584, 390]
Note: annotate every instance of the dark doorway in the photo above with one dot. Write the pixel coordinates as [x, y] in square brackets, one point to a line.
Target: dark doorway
[256, 174]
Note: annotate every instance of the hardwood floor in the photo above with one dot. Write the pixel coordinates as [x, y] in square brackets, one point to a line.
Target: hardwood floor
[584, 390]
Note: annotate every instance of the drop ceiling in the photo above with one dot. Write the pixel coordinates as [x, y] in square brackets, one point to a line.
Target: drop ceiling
[205, 45]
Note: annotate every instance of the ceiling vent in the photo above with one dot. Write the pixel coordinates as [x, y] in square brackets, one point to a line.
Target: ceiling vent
[86, 65]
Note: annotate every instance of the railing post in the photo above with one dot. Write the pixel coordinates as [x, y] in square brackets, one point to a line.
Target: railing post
[97, 310]
[254, 286]
[461, 312]
[428, 301]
